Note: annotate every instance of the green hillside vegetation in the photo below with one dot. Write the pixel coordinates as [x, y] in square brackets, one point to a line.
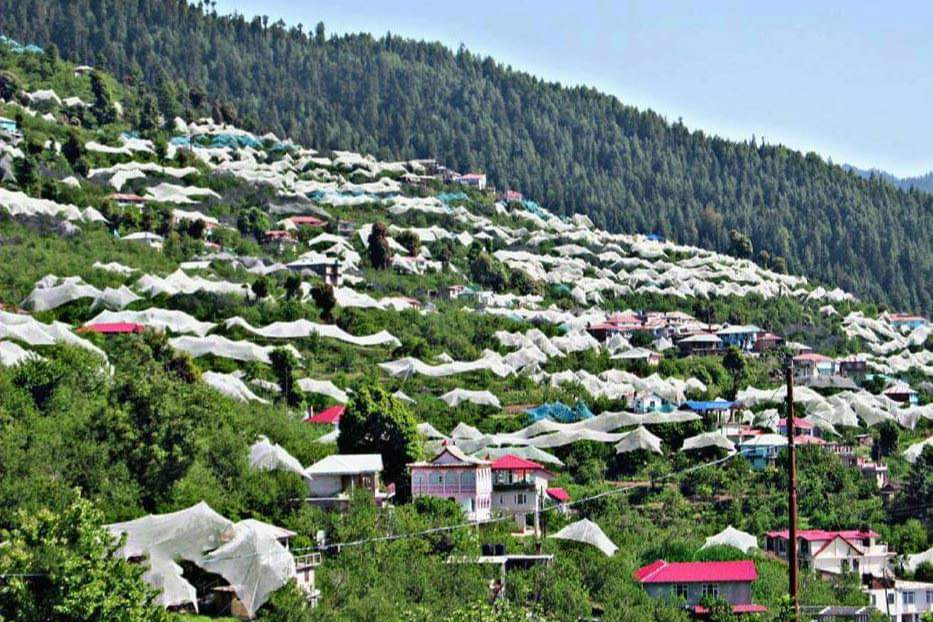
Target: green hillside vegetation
[574, 149]
[84, 444]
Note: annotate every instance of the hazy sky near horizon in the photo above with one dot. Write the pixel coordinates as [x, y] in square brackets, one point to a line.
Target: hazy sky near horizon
[851, 80]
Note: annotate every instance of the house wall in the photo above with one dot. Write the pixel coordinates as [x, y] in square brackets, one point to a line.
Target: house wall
[733, 593]
[325, 486]
[892, 600]
[473, 494]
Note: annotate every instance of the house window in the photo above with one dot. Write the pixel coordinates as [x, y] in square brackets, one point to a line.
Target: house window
[711, 590]
[930, 597]
[890, 598]
[521, 498]
[907, 598]
[437, 479]
[468, 479]
[418, 479]
[451, 478]
[680, 590]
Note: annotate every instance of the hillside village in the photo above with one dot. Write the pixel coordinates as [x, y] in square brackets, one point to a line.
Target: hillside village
[297, 380]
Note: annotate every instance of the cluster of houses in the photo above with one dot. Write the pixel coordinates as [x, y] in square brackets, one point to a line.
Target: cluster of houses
[828, 553]
[688, 334]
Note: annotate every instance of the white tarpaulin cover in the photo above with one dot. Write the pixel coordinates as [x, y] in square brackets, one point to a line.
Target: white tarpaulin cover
[708, 439]
[912, 453]
[231, 386]
[12, 354]
[639, 438]
[225, 348]
[25, 328]
[428, 431]
[19, 204]
[323, 387]
[253, 562]
[115, 267]
[587, 532]
[456, 397]
[465, 431]
[266, 456]
[303, 328]
[164, 538]
[180, 283]
[158, 319]
[408, 367]
[52, 292]
[528, 453]
[912, 561]
[170, 193]
[249, 556]
[730, 536]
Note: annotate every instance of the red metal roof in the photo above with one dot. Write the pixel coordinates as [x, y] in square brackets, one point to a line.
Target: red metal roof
[815, 535]
[310, 221]
[113, 328]
[812, 357]
[559, 494]
[330, 415]
[697, 572]
[804, 439]
[511, 462]
[803, 424]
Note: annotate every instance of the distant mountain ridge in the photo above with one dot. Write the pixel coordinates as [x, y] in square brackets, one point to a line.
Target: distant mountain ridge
[575, 150]
[920, 182]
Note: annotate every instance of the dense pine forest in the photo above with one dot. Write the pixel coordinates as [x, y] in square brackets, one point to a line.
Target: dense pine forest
[574, 149]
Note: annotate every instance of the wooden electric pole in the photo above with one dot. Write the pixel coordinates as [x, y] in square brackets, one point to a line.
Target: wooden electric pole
[792, 488]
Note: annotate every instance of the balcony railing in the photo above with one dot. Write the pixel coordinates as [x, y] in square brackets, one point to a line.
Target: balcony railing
[311, 559]
[439, 489]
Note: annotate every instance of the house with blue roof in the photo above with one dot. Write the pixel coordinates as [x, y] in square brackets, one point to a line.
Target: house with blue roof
[8, 125]
[742, 337]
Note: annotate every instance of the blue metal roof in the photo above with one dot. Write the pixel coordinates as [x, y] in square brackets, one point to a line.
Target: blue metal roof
[703, 406]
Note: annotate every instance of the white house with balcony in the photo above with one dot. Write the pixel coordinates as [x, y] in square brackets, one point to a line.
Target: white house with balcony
[333, 480]
[835, 552]
[453, 475]
[519, 489]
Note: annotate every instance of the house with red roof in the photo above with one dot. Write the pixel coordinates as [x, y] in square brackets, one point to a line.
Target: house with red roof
[477, 180]
[127, 199]
[296, 222]
[279, 239]
[835, 552]
[558, 495]
[811, 365]
[328, 416]
[694, 582]
[113, 328]
[899, 320]
[519, 489]
[802, 427]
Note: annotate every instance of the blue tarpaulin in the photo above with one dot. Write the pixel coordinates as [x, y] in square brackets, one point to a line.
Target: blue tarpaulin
[558, 411]
[535, 209]
[448, 197]
[700, 407]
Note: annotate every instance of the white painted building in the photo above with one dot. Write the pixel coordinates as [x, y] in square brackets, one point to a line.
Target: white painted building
[903, 601]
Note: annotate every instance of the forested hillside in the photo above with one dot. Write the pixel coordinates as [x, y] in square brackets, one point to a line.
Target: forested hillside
[573, 149]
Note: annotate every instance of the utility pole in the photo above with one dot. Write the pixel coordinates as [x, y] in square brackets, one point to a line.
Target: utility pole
[792, 488]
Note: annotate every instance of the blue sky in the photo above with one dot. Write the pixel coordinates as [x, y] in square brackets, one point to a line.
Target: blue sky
[851, 80]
